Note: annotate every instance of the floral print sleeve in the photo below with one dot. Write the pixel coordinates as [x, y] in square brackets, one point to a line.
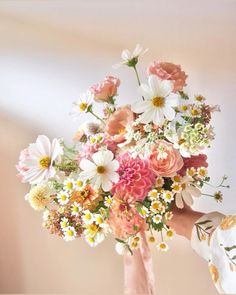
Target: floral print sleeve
[214, 238]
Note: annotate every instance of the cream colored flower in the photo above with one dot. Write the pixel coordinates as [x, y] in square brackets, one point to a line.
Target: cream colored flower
[39, 197]
[162, 247]
[69, 233]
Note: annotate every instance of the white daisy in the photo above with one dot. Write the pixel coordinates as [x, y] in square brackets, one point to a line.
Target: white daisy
[69, 184]
[69, 233]
[157, 218]
[143, 211]
[159, 101]
[130, 58]
[108, 201]
[79, 184]
[39, 162]
[75, 209]
[185, 190]
[162, 247]
[64, 223]
[63, 198]
[87, 217]
[101, 172]
[168, 196]
[82, 104]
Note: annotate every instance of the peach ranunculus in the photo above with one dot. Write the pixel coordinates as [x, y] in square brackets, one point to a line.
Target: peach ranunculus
[116, 124]
[104, 91]
[169, 71]
[165, 160]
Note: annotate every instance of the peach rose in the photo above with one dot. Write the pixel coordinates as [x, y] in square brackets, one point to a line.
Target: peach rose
[118, 121]
[169, 71]
[165, 160]
[105, 90]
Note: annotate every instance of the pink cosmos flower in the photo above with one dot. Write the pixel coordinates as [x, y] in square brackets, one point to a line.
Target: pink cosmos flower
[165, 160]
[169, 71]
[136, 176]
[24, 154]
[105, 90]
[124, 219]
[195, 162]
[118, 121]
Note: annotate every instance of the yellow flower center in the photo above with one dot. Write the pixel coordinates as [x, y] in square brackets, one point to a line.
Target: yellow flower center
[122, 131]
[63, 197]
[70, 233]
[79, 183]
[101, 169]
[151, 239]
[69, 185]
[181, 141]
[83, 106]
[45, 162]
[158, 101]
[169, 233]
[183, 186]
[163, 246]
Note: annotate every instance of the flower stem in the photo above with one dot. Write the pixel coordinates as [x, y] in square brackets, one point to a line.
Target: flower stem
[137, 75]
[96, 116]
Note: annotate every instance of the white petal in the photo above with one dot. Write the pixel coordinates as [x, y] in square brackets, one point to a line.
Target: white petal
[158, 117]
[87, 174]
[96, 181]
[106, 183]
[114, 165]
[107, 157]
[140, 106]
[125, 55]
[172, 100]
[87, 165]
[98, 158]
[56, 149]
[147, 116]
[178, 201]
[165, 88]
[194, 191]
[187, 198]
[43, 144]
[154, 84]
[169, 113]
[114, 177]
[145, 91]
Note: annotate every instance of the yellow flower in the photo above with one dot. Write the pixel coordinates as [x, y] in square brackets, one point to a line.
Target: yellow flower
[162, 246]
[39, 197]
[151, 239]
[214, 272]
[228, 222]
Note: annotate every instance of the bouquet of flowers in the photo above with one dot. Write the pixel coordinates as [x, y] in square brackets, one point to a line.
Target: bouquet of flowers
[128, 166]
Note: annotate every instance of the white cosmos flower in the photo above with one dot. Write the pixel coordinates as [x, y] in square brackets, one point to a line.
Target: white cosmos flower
[127, 56]
[100, 171]
[39, 162]
[159, 101]
[82, 104]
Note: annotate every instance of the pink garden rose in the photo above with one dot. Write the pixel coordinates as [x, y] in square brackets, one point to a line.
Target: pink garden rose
[118, 121]
[169, 71]
[124, 219]
[195, 162]
[165, 160]
[105, 90]
[136, 176]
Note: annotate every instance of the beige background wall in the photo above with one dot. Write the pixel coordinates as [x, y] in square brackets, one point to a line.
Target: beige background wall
[52, 50]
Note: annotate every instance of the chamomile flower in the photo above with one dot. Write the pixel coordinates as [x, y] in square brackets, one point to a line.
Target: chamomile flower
[168, 216]
[99, 220]
[69, 184]
[108, 201]
[92, 241]
[101, 171]
[159, 101]
[75, 209]
[157, 218]
[64, 223]
[134, 242]
[143, 212]
[151, 239]
[168, 196]
[191, 172]
[162, 247]
[87, 217]
[79, 184]
[170, 233]
[69, 233]
[157, 207]
[63, 198]
[82, 104]
[153, 194]
[159, 182]
[202, 172]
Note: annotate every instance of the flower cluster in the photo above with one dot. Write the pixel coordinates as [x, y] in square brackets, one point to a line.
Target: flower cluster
[129, 166]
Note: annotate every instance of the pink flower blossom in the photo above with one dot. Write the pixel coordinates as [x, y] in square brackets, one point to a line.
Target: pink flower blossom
[169, 71]
[118, 121]
[195, 162]
[105, 90]
[124, 219]
[24, 154]
[165, 160]
[136, 176]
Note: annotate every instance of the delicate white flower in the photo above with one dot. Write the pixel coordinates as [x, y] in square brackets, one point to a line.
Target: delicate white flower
[64, 223]
[157, 206]
[153, 194]
[69, 184]
[75, 209]
[63, 198]
[39, 162]
[82, 104]
[101, 172]
[99, 220]
[185, 190]
[202, 172]
[69, 233]
[170, 233]
[130, 58]
[45, 215]
[122, 248]
[157, 218]
[79, 184]
[147, 128]
[162, 247]
[134, 242]
[108, 201]
[168, 196]
[94, 240]
[159, 101]
[87, 217]
[143, 212]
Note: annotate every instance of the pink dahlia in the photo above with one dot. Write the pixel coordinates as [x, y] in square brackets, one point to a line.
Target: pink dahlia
[124, 219]
[195, 162]
[169, 71]
[136, 176]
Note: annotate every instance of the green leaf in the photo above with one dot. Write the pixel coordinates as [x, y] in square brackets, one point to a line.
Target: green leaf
[203, 222]
[120, 241]
[209, 227]
[184, 95]
[230, 248]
